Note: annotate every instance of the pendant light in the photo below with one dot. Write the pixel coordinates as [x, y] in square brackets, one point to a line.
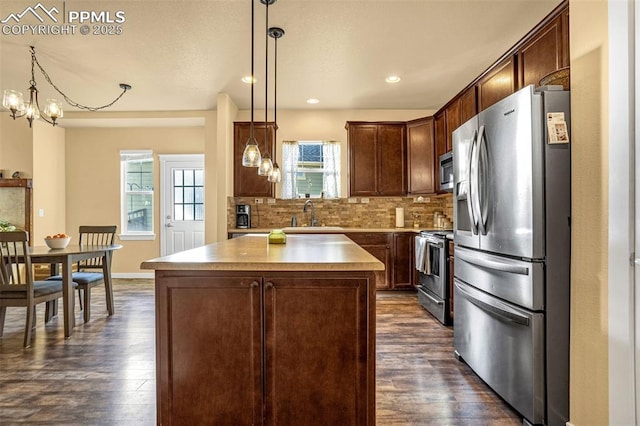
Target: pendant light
[251, 156]
[274, 32]
[266, 165]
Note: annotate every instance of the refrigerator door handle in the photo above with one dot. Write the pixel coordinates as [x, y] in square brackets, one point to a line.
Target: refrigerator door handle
[474, 178]
[470, 186]
[491, 264]
[493, 307]
[483, 204]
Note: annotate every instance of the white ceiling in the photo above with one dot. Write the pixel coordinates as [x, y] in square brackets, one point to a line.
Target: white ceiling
[178, 55]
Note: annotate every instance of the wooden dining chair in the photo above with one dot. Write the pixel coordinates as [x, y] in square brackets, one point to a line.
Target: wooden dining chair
[17, 287]
[89, 272]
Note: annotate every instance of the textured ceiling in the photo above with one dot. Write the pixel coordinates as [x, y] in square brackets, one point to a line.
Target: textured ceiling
[178, 55]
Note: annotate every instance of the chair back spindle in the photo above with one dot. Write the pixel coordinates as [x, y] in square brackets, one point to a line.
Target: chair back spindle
[95, 236]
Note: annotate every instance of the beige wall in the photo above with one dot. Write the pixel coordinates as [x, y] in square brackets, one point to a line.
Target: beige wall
[93, 179]
[49, 189]
[327, 125]
[16, 151]
[589, 93]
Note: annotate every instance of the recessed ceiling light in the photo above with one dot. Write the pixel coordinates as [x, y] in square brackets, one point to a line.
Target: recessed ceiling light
[248, 79]
[312, 101]
[392, 79]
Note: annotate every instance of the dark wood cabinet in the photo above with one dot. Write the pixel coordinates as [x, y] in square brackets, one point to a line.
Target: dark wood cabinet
[452, 115]
[275, 348]
[377, 158]
[403, 260]
[246, 181]
[468, 105]
[316, 364]
[421, 156]
[543, 53]
[379, 245]
[209, 341]
[497, 84]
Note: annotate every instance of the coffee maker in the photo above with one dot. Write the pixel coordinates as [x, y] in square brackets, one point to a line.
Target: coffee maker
[243, 216]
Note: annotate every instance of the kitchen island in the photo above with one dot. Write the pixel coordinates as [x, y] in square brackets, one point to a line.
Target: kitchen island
[254, 333]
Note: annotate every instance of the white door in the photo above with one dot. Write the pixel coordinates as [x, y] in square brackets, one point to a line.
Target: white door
[182, 202]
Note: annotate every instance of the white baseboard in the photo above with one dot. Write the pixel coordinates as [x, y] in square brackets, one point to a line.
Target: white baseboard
[569, 424]
[132, 275]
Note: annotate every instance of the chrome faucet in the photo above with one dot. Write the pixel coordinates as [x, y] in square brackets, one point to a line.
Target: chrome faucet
[313, 221]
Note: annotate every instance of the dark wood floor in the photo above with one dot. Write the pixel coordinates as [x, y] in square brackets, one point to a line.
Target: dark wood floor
[105, 374]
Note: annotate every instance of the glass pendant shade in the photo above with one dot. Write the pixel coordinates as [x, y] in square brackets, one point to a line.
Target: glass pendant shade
[32, 112]
[251, 156]
[276, 175]
[53, 109]
[266, 165]
[13, 101]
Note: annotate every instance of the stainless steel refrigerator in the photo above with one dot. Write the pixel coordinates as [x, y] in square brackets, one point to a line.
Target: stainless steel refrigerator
[512, 207]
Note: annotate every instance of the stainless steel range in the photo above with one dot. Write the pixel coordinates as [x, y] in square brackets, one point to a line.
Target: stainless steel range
[431, 253]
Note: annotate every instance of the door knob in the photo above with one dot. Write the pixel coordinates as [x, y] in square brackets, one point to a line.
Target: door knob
[168, 225]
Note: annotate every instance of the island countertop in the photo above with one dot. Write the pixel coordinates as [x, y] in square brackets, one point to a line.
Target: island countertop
[252, 252]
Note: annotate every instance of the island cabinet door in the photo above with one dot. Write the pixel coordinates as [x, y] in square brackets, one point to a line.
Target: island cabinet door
[209, 350]
[319, 350]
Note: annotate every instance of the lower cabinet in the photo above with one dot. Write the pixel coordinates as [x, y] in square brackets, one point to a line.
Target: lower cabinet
[265, 348]
[378, 244]
[403, 261]
[395, 250]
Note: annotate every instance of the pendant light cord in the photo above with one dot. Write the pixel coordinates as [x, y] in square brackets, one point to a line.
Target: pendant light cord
[266, 77]
[253, 79]
[34, 60]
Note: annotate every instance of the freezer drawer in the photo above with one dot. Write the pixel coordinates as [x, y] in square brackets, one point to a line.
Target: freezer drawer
[516, 281]
[504, 345]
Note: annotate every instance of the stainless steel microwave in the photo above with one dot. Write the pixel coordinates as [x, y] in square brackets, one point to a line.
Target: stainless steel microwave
[446, 172]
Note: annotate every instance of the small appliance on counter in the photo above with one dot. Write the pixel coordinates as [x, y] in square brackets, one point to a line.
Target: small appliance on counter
[243, 216]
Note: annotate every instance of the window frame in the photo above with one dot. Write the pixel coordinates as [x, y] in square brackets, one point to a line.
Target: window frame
[321, 170]
[125, 233]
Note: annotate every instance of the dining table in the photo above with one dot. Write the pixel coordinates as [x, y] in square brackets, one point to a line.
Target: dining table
[66, 257]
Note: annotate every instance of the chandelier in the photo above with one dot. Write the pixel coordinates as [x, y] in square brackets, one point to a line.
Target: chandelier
[14, 101]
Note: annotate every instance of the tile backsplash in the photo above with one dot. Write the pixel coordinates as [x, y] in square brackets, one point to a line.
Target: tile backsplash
[378, 212]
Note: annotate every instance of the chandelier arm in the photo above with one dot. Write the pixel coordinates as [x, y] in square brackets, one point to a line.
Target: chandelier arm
[43, 116]
[125, 88]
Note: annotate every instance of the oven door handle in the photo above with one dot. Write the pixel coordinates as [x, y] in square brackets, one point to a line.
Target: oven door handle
[492, 264]
[433, 299]
[496, 308]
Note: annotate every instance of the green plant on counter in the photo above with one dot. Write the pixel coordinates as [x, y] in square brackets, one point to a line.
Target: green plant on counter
[6, 226]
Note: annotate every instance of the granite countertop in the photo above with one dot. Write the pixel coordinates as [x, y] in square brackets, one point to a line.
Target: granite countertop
[322, 230]
[315, 252]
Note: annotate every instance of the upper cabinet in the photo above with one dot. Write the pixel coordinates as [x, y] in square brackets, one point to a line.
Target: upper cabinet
[468, 105]
[547, 50]
[246, 181]
[377, 158]
[421, 156]
[498, 83]
[452, 115]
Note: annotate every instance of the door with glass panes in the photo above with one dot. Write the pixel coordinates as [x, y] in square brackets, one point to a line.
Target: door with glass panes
[182, 202]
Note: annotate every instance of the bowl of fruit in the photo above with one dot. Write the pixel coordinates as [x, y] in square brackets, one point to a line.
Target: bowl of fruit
[57, 241]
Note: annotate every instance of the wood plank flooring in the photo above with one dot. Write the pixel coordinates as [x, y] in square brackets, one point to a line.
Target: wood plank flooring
[105, 374]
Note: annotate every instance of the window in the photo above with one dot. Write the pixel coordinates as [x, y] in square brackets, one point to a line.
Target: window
[311, 169]
[137, 179]
[188, 194]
